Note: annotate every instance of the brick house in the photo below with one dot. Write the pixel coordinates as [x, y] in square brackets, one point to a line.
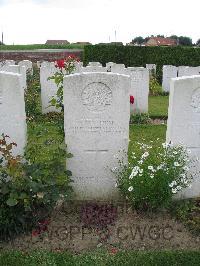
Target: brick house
[160, 41]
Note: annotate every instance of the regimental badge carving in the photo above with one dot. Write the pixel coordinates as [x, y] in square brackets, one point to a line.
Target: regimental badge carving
[195, 101]
[96, 96]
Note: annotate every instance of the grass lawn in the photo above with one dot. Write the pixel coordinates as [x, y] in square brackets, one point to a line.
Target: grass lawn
[158, 106]
[102, 257]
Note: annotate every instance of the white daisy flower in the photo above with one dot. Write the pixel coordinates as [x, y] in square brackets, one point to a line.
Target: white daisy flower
[130, 189]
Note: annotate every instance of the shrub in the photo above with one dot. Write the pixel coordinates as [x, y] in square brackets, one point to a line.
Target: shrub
[154, 86]
[142, 118]
[65, 67]
[154, 175]
[28, 190]
[32, 95]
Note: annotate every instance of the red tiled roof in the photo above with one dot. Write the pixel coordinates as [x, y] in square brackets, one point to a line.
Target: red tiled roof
[163, 41]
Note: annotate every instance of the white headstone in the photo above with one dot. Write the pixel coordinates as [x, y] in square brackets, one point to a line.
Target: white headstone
[10, 62]
[184, 120]
[151, 68]
[94, 64]
[12, 110]
[17, 69]
[96, 119]
[47, 64]
[169, 72]
[48, 88]
[28, 65]
[94, 69]
[109, 66]
[184, 71]
[118, 68]
[139, 89]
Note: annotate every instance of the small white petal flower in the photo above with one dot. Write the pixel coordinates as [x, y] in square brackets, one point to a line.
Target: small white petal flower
[130, 189]
[176, 164]
[150, 167]
[174, 191]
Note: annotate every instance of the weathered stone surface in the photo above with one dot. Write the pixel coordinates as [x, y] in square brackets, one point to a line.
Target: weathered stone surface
[96, 118]
[28, 65]
[118, 68]
[17, 69]
[188, 71]
[12, 109]
[48, 88]
[169, 72]
[94, 69]
[139, 89]
[183, 124]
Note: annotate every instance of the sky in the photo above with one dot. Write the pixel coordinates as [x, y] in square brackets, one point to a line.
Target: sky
[35, 21]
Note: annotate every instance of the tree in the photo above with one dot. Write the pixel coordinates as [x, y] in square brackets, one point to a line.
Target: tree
[138, 40]
[186, 41]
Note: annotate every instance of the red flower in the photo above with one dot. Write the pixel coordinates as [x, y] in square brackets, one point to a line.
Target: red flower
[131, 99]
[35, 232]
[72, 57]
[113, 251]
[60, 63]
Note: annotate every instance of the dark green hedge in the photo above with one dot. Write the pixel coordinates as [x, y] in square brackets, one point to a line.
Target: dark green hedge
[140, 56]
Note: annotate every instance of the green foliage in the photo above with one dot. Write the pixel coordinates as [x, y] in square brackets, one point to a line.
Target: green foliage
[188, 212]
[65, 67]
[154, 87]
[140, 118]
[31, 186]
[154, 174]
[32, 95]
[138, 40]
[186, 41]
[140, 56]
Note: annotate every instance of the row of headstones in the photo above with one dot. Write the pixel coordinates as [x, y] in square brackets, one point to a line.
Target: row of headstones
[23, 67]
[170, 72]
[96, 123]
[139, 83]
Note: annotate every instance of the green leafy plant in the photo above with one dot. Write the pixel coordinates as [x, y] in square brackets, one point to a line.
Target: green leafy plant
[154, 86]
[65, 67]
[28, 189]
[32, 95]
[142, 118]
[154, 175]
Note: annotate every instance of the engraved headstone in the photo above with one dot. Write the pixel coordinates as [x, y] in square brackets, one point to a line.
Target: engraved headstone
[48, 88]
[12, 109]
[183, 124]
[96, 119]
[139, 89]
[169, 72]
